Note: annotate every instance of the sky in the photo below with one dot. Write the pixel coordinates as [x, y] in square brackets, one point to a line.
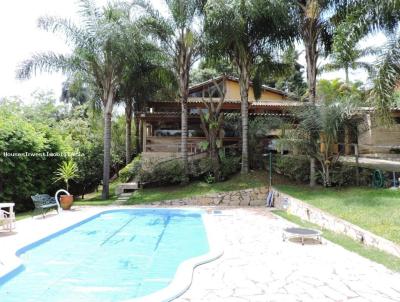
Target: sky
[20, 38]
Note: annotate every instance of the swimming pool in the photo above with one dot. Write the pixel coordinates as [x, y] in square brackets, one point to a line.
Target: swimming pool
[116, 255]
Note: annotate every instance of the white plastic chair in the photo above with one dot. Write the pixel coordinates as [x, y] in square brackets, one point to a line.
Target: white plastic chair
[7, 220]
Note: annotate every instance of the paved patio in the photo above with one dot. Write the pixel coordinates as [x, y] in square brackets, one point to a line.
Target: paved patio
[257, 265]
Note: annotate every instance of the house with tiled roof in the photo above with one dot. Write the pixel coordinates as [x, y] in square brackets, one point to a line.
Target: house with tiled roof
[160, 124]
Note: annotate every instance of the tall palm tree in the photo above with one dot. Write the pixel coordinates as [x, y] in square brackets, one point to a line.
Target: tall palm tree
[99, 50]
[315, 29]
[145, 78]
[181, 36]
[247, 32]
[373, 15]
[346, 54]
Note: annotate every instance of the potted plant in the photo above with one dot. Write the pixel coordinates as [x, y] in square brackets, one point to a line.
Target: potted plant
[67, 171]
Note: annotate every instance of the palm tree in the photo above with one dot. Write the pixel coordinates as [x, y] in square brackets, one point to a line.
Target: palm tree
[366, 16]
[345, 52]
[372, 15]
[99, 50]
[317, 132]
[315, 29]
[145, 78]
[247, 32]
[181, 37]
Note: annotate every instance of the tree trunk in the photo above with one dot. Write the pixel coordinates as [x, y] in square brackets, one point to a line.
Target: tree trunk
[244, 93]
[346, 70]
[310, 39]
[214, 154]
[184, 65]
[347, 145]
[107, 144]
[184, 136]
[128, 131]
[313, 175]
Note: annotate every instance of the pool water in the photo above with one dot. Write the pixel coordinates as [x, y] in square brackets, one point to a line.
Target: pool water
[113, 256]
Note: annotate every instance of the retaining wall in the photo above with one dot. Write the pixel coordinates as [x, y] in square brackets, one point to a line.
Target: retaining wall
[314, 215]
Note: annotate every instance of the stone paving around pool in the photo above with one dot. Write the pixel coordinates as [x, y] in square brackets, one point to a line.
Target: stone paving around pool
[258, 266]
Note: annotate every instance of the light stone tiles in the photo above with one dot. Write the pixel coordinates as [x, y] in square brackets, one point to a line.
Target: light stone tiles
[258, 266]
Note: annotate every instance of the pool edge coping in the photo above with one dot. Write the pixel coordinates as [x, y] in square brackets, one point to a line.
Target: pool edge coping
[182, 279]
[184, 274]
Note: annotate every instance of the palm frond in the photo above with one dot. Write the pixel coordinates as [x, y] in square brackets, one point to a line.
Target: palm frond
[46, 62]
[72, 33]
[387, 79]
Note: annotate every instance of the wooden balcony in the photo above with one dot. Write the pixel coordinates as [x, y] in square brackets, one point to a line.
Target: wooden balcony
[172, 144]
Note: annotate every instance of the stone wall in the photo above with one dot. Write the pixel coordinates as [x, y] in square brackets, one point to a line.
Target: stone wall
[248, 197]
[314, 215]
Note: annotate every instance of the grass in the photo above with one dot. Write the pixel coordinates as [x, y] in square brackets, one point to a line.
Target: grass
[94, 198]
[377, 210]
[388, 260]
[146, 195]
[23, 215]
[237, 182]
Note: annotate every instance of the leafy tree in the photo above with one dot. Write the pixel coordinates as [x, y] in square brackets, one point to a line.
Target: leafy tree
[211, 68]
[247, 32]
[83, 136]
[292, 79]
[211, 123]
[99, 50]
[29, 153]
[78, 90]
[259, 128]
[181, 37]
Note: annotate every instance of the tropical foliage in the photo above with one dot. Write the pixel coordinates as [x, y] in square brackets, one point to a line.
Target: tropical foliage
[68, 170]
[129, 53]
[248, 33]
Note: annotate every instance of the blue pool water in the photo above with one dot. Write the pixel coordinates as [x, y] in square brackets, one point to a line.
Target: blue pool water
[113, 256]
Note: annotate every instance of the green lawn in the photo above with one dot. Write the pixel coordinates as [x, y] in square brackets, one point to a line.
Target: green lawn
[94, 198]
[377, 210]
[237, 182]
[373, 254]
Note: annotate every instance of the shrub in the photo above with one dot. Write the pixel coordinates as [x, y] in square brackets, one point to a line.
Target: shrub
[229, 165]
[200, 167]
[22, 176]
[131, 170]
[167, 172]
[295, 167]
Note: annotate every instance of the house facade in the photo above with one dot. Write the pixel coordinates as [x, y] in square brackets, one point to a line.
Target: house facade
[160, 132]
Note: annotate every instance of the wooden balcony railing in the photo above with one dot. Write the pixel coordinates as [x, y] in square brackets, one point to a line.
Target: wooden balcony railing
[173, 143]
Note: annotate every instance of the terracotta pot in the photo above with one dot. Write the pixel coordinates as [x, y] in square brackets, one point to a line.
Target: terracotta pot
[66, 201]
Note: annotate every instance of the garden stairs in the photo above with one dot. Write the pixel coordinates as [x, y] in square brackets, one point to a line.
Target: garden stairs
[123, 198]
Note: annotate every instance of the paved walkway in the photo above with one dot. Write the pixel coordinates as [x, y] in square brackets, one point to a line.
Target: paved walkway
[258, 266]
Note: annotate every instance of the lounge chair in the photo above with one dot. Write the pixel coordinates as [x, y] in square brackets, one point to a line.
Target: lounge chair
[44, 203]
[7, 220]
